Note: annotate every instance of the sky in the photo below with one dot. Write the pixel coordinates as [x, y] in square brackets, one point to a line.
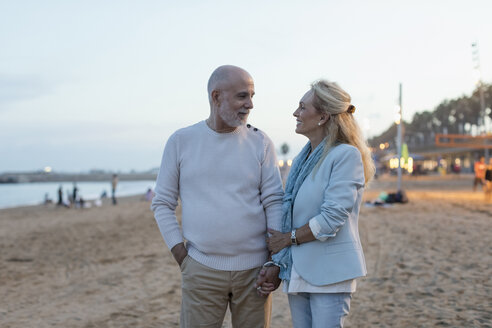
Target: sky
[103, 84]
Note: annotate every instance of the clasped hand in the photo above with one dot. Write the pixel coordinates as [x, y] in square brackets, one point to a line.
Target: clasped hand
[277, 241]
[268, 279]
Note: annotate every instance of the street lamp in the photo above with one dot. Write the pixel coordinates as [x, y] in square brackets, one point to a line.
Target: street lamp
[479, 83]
[398, 122]
[397, 115]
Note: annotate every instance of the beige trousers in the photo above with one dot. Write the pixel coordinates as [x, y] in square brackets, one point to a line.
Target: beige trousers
[207, 292]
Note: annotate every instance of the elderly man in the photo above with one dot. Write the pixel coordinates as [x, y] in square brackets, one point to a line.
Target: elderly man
[225, 174]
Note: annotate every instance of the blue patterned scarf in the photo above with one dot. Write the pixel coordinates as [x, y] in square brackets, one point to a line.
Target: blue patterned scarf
[301, 168]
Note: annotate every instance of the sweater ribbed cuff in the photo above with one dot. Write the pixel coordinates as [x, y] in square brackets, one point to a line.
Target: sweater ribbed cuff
[172, 239]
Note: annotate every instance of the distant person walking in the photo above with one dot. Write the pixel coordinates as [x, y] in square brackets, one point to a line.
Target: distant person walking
[60, 196]
[74, 194]
[488, 181]
[114, 184]
[479, 169]
[149, 195]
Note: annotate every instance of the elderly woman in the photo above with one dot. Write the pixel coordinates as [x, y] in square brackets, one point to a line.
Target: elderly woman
[319, 251]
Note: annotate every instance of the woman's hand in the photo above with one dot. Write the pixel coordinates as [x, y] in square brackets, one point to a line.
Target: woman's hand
[278, 241]
[267, 280]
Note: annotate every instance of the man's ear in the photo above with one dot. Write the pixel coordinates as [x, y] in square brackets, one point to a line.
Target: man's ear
[215, 97]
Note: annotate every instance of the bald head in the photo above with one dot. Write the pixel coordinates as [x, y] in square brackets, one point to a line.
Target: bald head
[224, 76]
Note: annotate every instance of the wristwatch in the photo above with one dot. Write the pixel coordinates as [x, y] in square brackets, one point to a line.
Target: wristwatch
[293, 238]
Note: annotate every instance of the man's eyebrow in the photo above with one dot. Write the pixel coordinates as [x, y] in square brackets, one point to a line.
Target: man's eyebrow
[243, 93]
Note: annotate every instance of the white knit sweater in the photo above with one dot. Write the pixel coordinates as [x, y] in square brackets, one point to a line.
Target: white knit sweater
[230, 190]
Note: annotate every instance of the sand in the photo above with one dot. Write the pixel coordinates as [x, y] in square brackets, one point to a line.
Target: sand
[429, 263]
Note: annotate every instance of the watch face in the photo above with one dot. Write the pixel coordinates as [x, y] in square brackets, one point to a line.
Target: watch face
[293, 238]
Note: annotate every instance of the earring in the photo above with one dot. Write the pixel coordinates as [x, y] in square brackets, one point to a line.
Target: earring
[319, 123]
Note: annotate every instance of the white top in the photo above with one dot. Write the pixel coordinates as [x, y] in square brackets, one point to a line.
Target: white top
[299, 285]
[230, 190]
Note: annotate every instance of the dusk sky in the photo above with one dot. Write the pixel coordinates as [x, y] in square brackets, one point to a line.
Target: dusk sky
[103, 84]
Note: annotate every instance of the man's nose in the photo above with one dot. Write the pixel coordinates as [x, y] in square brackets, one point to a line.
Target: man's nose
[249, 103]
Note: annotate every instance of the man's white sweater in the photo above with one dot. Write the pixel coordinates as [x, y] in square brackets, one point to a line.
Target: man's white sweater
[230, 190]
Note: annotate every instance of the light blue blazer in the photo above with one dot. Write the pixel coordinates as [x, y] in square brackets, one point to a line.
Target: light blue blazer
[333, 198]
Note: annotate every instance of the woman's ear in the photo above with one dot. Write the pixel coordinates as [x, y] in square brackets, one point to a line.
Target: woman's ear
[324, 118]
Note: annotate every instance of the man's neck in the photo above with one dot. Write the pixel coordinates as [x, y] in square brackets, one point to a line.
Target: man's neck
[219, 128]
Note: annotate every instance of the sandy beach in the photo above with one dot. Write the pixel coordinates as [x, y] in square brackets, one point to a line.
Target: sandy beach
[429, 263]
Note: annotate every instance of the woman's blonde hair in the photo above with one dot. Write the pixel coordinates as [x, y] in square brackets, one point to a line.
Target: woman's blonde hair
[330, 98]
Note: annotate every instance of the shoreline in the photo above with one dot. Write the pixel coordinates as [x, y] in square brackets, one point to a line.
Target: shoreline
[33, 194]
[35, 177]
[106, 201]
[462, 185]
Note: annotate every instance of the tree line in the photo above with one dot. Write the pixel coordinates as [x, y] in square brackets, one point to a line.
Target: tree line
[462, 115]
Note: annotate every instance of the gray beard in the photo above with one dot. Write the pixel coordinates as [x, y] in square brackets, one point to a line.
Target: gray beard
[231, 119]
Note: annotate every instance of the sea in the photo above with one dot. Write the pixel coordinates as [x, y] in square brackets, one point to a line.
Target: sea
[26, 194]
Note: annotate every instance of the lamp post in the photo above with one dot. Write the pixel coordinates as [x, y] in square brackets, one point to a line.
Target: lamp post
[479, 83]
[399, 122]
